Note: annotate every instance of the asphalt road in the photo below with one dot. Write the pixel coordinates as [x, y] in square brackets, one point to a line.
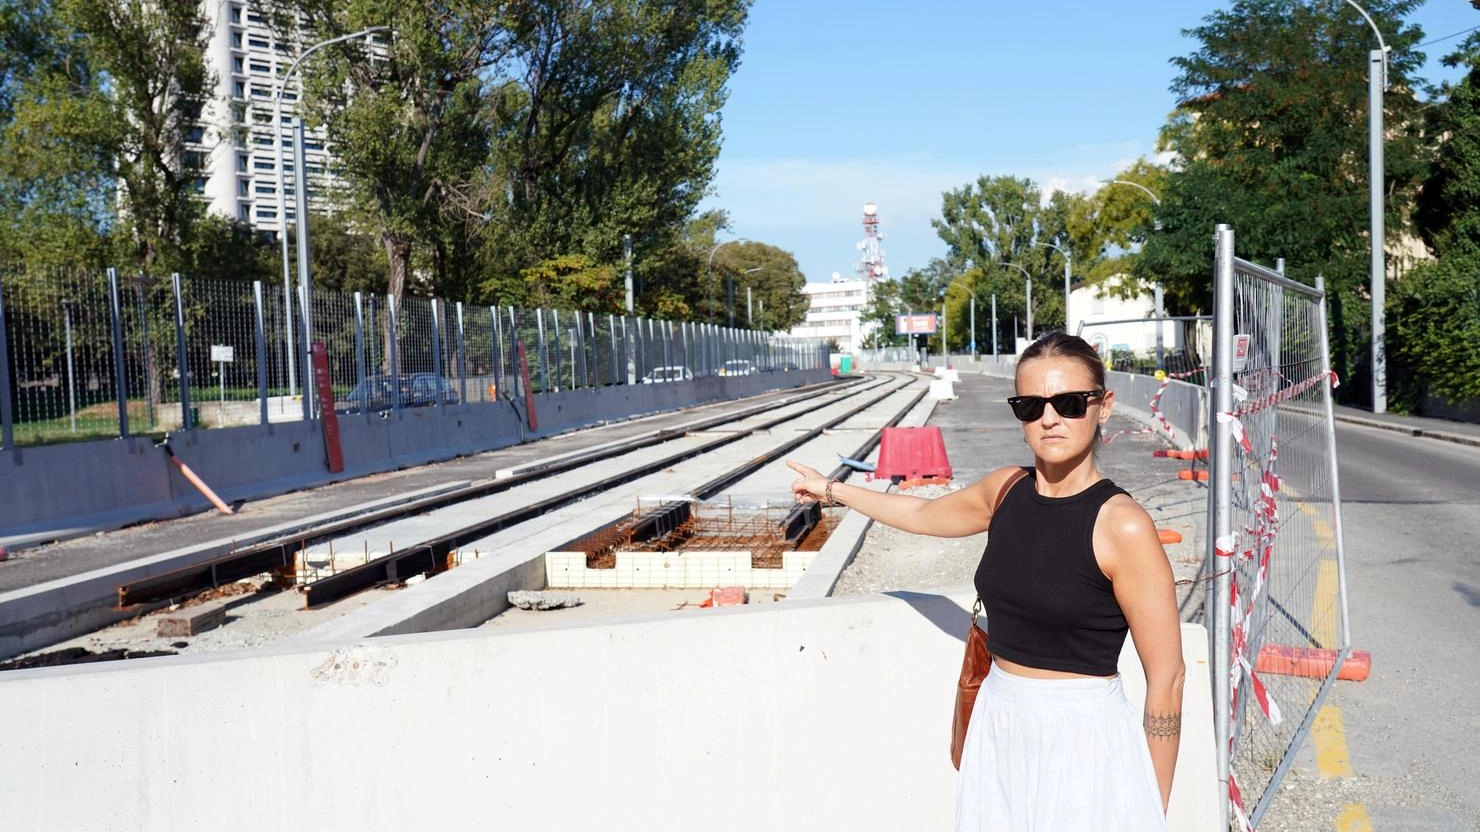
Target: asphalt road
[1411, 509]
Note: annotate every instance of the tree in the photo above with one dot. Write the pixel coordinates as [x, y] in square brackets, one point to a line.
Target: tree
[611, 129]
[775, 281]
[149, 60]
[1270, 137]
[1448, 210]
[407, 118]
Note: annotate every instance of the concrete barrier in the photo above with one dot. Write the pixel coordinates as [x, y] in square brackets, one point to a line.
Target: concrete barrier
[824, 714]
[57, 491]
[1184, 405]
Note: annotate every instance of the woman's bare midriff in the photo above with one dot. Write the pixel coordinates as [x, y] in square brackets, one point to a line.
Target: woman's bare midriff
[1039, 673]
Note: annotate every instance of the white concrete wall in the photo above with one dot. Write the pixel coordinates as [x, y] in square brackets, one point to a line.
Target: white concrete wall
[827, 714]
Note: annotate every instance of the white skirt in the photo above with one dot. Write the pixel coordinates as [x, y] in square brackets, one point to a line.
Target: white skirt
[1045, 755]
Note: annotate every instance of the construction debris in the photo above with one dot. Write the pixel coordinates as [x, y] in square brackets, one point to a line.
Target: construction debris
[543, 600]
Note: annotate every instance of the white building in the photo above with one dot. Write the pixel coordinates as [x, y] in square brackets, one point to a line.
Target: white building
[835, 312]
[234, 144]
[1116, 324]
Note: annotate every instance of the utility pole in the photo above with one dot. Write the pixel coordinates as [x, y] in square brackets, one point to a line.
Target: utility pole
[627, 248]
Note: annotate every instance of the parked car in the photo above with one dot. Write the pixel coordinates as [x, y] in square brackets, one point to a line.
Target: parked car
[660, 374]
[737, 367]
[415, 390]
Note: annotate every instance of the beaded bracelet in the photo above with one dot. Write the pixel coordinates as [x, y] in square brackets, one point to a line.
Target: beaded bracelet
[828, 492]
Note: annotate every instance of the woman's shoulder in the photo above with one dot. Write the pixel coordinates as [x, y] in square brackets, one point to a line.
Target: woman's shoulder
[1123, 518]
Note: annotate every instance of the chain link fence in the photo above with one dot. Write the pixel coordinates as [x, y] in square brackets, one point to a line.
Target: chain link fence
[98, 354]
[1279, 607]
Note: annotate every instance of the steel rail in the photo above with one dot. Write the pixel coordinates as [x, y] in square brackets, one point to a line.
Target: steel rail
[433, 556]
[280, 553]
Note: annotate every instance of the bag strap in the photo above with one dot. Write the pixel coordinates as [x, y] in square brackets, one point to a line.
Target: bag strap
[1006, 487]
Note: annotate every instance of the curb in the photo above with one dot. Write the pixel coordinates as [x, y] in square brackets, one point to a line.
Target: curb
[1426, 433]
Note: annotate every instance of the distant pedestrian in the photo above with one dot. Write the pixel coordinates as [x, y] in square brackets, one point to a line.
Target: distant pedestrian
[1072, 563]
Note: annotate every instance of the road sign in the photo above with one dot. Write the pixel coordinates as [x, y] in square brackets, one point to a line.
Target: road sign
[915, 324]
[220, 353]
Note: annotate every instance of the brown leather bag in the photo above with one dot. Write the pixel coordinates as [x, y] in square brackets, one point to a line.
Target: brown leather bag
[978, 659]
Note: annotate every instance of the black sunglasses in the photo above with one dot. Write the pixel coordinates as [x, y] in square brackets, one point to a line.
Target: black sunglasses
[1071, 405]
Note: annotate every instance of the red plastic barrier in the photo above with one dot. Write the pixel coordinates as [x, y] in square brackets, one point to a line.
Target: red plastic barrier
[913, 454]
[1312, 662]
[726, 596]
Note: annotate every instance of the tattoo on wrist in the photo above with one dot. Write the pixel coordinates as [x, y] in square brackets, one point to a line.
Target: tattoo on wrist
[1162, 726]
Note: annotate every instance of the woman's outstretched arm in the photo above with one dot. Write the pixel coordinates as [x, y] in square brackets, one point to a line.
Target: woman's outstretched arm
[1131, 555]
[958, 514]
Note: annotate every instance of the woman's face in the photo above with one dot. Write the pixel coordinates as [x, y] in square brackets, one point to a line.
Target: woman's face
[1053, 437]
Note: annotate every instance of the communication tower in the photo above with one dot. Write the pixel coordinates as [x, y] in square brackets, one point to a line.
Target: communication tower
[871, 265]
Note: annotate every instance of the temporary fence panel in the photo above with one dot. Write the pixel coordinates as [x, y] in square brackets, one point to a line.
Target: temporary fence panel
[1280, 627]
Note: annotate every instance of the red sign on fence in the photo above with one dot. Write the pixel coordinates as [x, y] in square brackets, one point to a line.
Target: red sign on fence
[327, 417]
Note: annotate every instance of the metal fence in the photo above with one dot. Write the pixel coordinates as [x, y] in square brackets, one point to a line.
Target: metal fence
[91, 355]
[1177, 346]
[1279, 612]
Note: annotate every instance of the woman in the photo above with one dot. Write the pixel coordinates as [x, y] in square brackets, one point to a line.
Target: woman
[1072, 563]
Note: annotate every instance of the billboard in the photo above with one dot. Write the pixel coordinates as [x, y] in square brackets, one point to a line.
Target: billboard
[915, 324]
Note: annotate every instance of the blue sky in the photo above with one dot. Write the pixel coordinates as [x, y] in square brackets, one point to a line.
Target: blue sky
[839, 103]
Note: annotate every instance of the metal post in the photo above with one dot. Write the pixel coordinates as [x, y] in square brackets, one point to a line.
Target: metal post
[436, 353]
[462, 359]
[261, 353]
[305, 284]
[730, 296]
[973, 327]
[1160, 325]
[1068, 277]
[496, 346]
[994, 325]
[71, 373]
[555, 331]
[1336, 525]
[183, 358]
[539, 322]
[395, 350]
[611, 325]
[1028, 283]
[119, 379]
[627, 248]
[1222, 459]
[7, 417]
[749, 318]
[593, 374]
[1378, 239]
[360, 381]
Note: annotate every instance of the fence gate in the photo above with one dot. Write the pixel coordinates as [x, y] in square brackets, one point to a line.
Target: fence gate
[1280, 630]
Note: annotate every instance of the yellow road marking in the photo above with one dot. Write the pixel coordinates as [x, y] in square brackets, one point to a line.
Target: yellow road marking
[1329, 738]
[1323, 616]
[1353, 818]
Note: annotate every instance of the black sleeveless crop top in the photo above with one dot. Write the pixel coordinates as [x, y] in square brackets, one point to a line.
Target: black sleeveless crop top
[1047, 603]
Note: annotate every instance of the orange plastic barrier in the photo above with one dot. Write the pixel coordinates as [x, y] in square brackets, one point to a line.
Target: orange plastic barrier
[912, 454]
[1312, 662]
[1200, 476]
[1169, 536]
[726, 596]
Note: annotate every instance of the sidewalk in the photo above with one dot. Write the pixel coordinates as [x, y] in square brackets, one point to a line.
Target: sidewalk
[1464, 433]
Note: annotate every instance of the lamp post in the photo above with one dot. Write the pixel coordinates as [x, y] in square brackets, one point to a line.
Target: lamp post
[1028, 290]
[1377, 235]
[1068, 276]
[749, 320]
[282, 205]
[709, 271]
[1154, 198]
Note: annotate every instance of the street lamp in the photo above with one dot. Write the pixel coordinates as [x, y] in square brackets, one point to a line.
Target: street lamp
[1028, 284]
[301, 185]
[749, 320]
[709, 270]
[1068, 275]
[1377, 235]
[1154, 197]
